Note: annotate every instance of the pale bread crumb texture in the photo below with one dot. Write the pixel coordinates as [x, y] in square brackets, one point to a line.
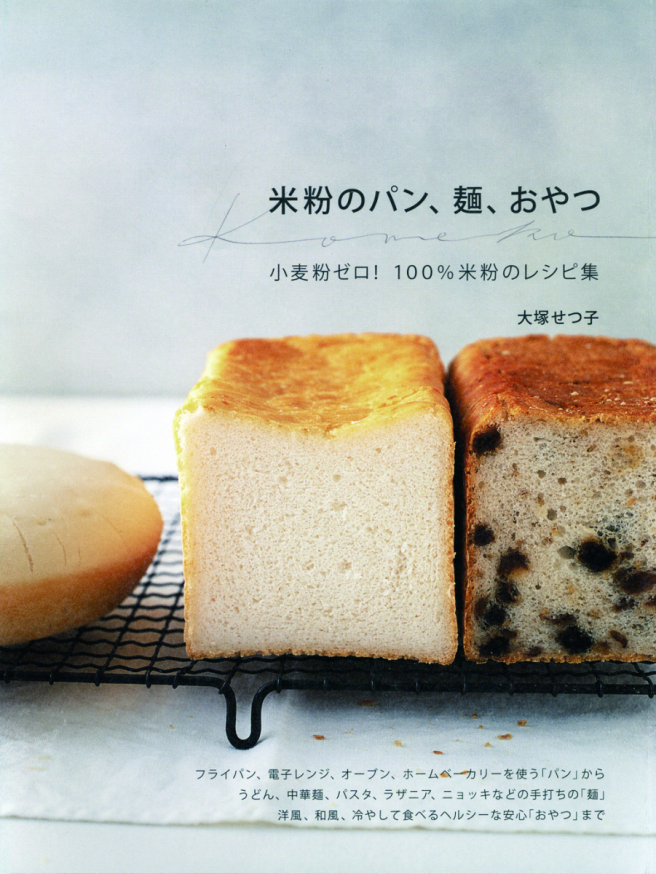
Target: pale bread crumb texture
[76, 536]
[331, 541]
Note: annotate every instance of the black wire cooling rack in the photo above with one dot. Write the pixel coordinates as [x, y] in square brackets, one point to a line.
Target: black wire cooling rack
[141, 642]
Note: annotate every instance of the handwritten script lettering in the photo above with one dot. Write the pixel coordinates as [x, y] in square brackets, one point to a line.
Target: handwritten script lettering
[528, 231]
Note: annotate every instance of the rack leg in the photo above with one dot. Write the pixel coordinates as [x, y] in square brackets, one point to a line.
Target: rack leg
[256, 715]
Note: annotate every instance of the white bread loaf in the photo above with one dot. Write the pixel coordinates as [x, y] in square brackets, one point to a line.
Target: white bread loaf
[316, 493]
[76, 536]
[557, 436]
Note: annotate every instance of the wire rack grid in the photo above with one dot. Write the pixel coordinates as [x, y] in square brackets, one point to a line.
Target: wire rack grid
[141, 642]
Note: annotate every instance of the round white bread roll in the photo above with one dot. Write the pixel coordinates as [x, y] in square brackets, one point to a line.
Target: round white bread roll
[76, 536]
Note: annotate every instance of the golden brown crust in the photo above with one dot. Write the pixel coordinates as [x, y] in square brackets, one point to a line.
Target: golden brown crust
[323, 383]
[548, 378]
[389, 655]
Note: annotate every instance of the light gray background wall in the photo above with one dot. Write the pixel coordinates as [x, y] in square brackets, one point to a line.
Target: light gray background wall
[129, 127]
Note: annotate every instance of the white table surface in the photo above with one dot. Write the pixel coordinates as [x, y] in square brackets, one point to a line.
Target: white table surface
[136, 434]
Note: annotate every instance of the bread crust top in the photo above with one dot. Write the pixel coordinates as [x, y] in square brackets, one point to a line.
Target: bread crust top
[323, 383]
[63, 515]
[577, 378]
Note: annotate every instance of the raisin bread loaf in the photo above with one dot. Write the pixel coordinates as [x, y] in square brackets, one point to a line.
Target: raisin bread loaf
[557, 441]
[316, 493]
